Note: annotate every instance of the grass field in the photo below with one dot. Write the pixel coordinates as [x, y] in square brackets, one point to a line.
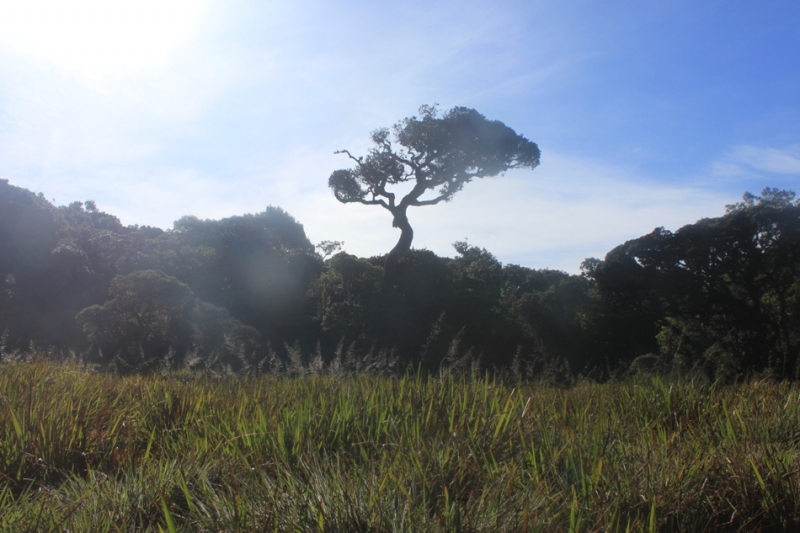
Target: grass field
[82, 451]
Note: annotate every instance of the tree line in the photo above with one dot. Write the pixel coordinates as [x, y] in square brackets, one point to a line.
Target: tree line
[252, 292]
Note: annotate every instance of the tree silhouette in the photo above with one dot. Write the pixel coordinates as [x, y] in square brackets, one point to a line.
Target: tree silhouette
[723, 292]
[434, 153]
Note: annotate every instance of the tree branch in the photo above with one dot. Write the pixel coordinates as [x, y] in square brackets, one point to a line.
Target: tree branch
[351, 156]
[416, 168]
[372, 202]
[381, 191]
[432, 201]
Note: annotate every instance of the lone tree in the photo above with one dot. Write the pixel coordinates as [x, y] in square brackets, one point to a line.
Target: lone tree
[434, 153]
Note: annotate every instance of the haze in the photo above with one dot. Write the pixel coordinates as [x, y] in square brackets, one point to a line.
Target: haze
[651, 114]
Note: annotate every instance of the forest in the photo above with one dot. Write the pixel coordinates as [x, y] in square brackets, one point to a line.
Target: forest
[252, 294]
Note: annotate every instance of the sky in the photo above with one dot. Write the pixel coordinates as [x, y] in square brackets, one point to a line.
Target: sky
[648, 114]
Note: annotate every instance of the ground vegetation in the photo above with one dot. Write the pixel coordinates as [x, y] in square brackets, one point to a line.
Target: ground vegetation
[200, 451]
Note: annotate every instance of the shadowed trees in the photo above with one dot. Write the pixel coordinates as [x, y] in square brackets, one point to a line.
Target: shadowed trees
[149, 315]
[438, 154]
[723, 293]
[256, 266]
[57, 261]
[453, 313]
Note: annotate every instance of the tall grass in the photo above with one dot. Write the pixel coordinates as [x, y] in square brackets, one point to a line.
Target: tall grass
[81, 451]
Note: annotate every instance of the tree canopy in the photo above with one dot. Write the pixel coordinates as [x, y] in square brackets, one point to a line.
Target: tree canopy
[723, 293]
[436, 154]
[150, 315]
[250, 294]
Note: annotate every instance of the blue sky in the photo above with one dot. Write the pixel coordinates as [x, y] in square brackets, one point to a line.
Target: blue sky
[647, 113]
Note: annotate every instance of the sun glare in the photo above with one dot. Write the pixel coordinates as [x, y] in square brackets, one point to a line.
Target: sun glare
[95, 37]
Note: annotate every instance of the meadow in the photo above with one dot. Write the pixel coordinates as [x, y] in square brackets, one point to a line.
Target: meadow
[88, 451]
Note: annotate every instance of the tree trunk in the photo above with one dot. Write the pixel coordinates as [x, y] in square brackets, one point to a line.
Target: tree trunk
[401, 248]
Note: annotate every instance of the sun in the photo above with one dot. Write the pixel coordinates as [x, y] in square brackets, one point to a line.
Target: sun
[95, 37]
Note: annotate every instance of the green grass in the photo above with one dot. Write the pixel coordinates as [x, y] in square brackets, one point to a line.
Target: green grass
[81, 451]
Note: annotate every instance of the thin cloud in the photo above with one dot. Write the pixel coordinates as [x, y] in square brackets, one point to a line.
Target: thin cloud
[745, 160]
[785, 161]
[564, 211]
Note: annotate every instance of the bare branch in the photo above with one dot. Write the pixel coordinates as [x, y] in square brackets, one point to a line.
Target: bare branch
[382, 192]
[432, 201]
[372, 202]
[378, 190]
[351, 156]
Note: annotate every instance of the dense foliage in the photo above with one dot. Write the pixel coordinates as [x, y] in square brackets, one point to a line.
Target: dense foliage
[723, 293]
[217, 291]
[250, 293]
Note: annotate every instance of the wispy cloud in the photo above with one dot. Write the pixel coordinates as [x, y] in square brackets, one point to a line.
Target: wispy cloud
[745, 160]
[564, 211]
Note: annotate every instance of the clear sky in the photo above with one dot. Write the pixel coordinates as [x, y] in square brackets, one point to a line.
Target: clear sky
[648, 113]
